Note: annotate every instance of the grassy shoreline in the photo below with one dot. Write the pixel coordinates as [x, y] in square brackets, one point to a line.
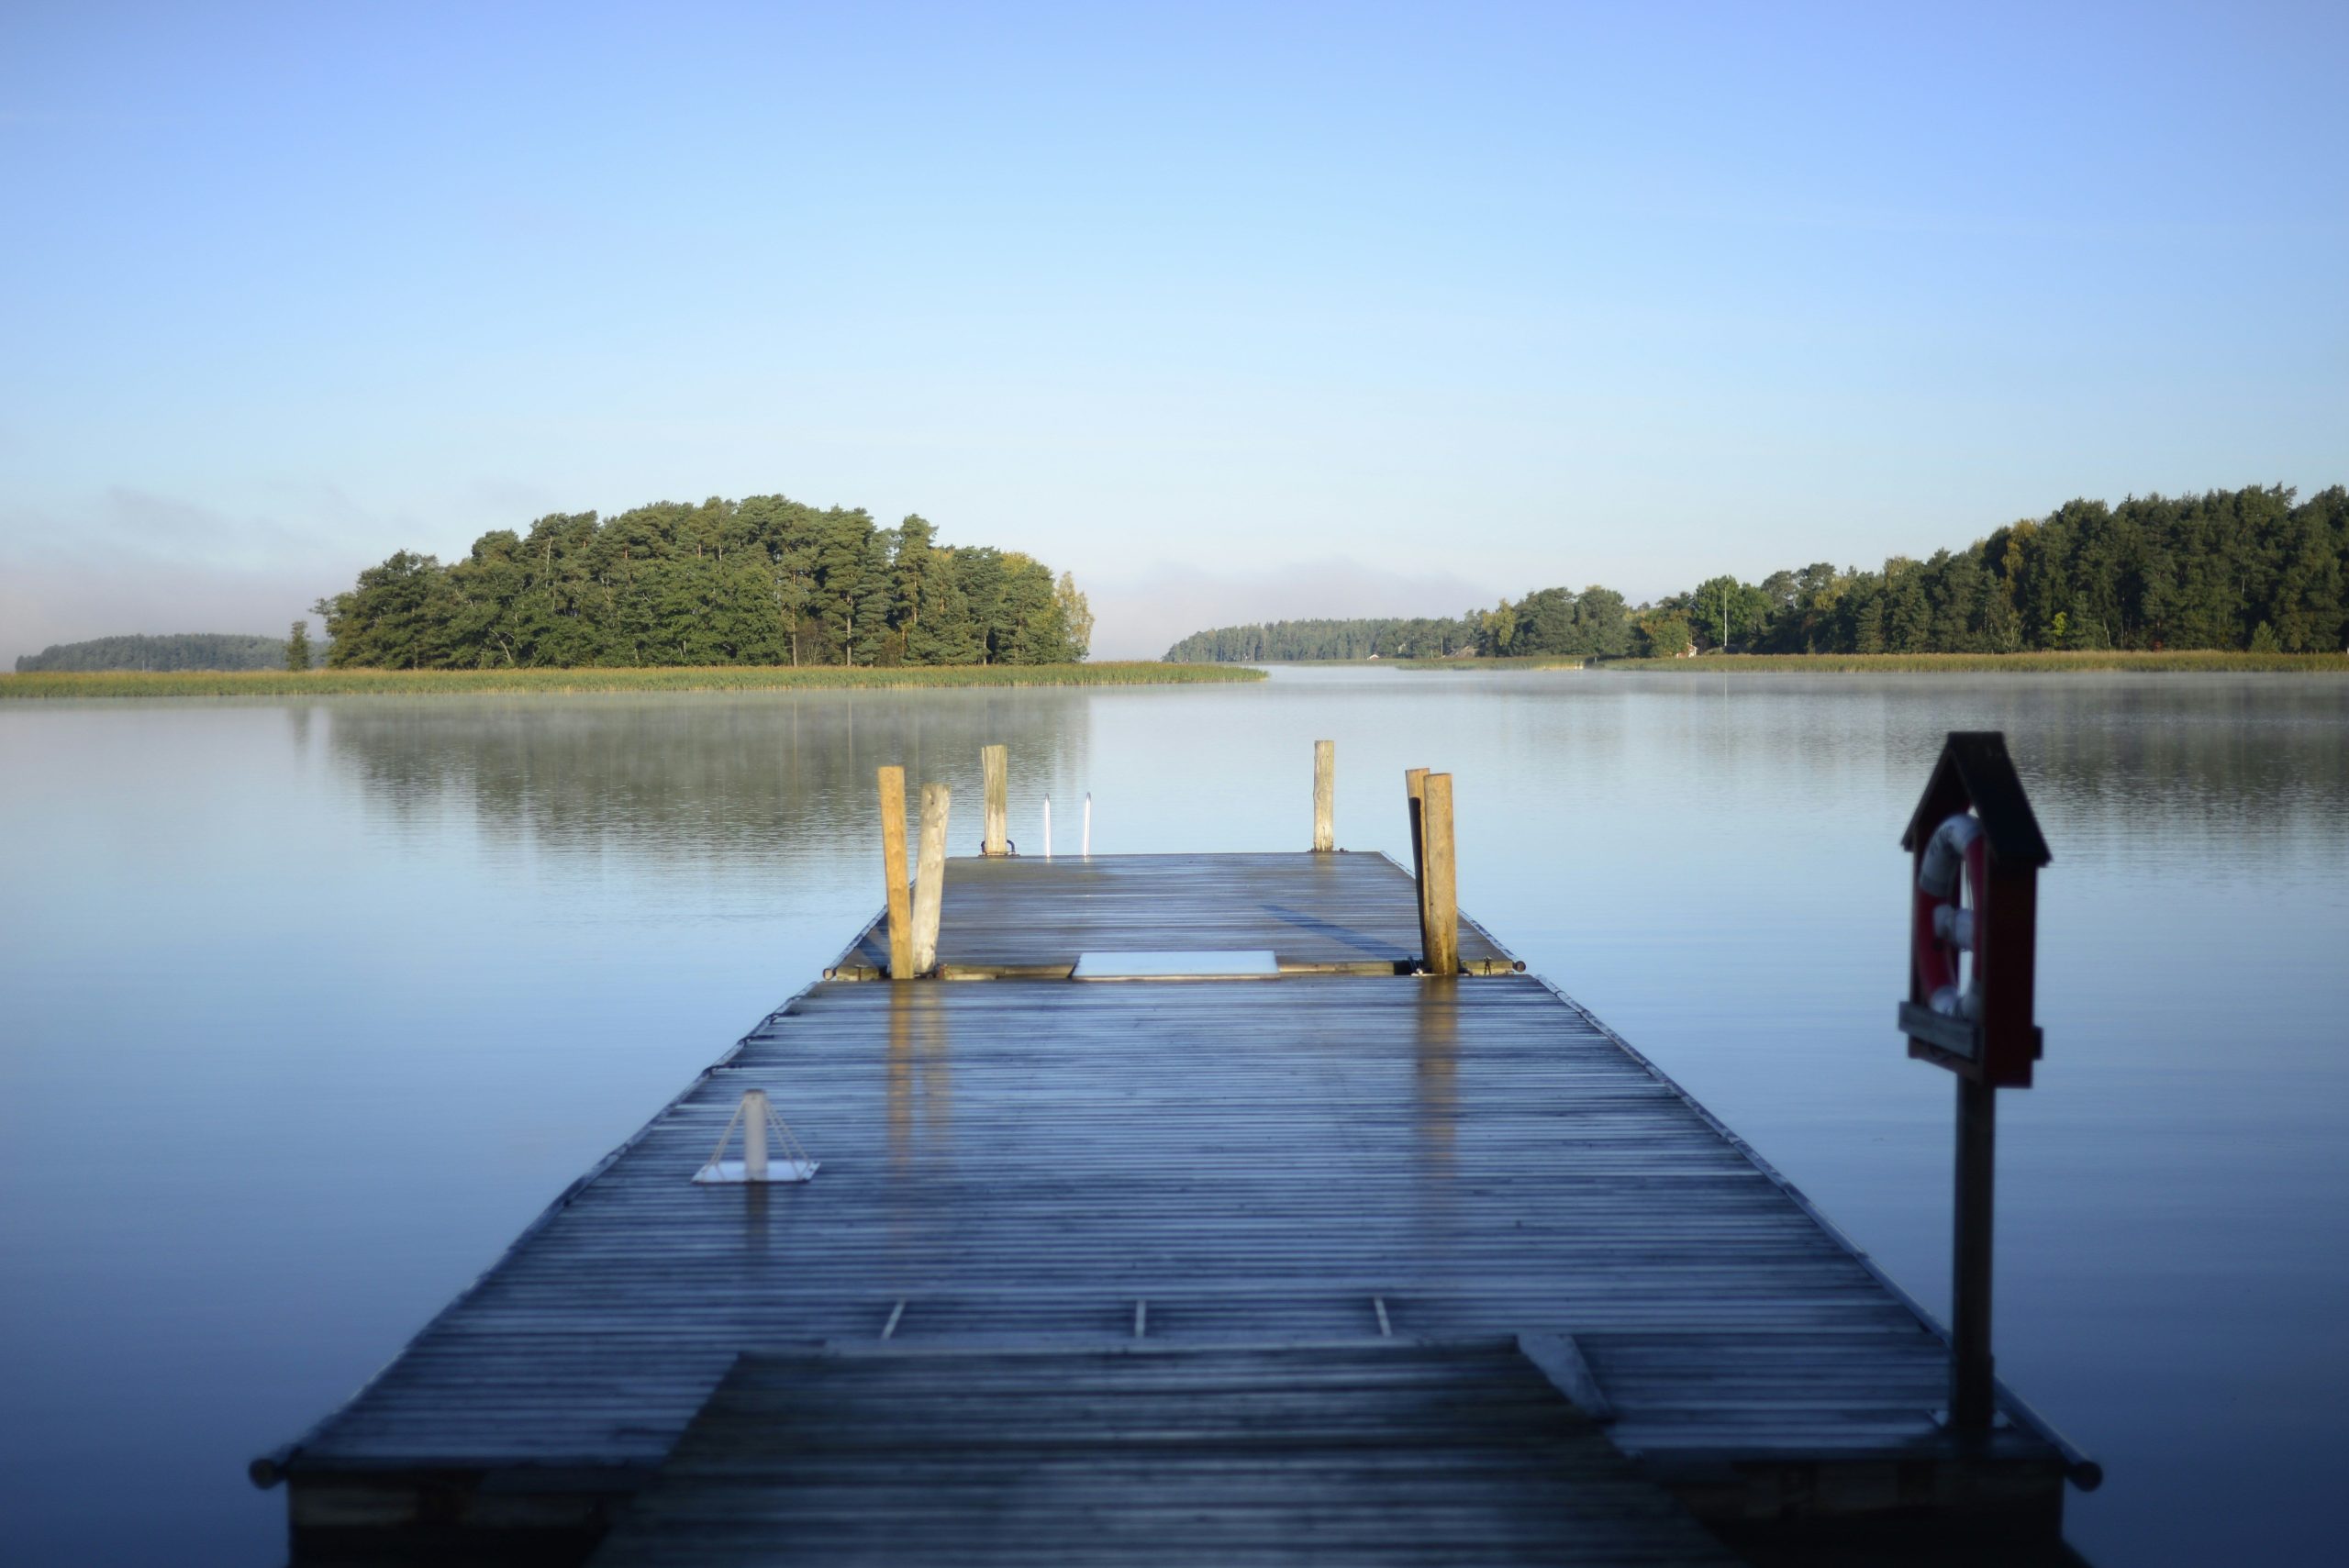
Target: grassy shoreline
[2175, 661]
[2171, 661]
[58, 685]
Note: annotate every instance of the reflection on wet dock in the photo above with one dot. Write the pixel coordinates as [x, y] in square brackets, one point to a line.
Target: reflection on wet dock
[1409, 1178]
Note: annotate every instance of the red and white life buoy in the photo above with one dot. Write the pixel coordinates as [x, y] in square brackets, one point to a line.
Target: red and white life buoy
[1943, 925]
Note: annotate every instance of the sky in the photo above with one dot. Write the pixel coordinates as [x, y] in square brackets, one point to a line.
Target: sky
[1235, 312]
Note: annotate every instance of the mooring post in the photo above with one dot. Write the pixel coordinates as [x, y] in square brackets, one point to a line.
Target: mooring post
[1972, 1401]
[1048, 827]
[994, 768]
[754, 1135]
[1414, 791]
[1325, 795]
[1443, 898]
[1084, 841]
[930, 875]
[893, 873]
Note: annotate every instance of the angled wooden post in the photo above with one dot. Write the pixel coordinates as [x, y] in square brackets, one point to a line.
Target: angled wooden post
[893, 873]
[1443, 898]
[1325, 795]
[1415, 789]
[994, 770]
[930, 875]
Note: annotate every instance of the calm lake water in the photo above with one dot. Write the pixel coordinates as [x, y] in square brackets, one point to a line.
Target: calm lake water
[305, 1009]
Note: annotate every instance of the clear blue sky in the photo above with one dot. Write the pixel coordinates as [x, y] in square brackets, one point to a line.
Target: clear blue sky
[1262, 309]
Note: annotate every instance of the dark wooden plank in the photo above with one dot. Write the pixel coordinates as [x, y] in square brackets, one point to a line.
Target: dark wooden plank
[1381, 1453]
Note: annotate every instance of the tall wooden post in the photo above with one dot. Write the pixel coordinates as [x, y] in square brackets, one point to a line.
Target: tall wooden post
[994, 768]
[1415, 794]
[1443, 895]
[930, 875]
[1972, 1401]
[893, 873]
[1325, 795]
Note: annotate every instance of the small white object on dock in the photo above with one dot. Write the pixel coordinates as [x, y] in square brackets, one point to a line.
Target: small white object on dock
[1241, 963]
[755, 1116]
[1048, 827]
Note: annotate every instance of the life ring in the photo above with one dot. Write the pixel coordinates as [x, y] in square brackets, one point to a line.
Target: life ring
[1944, 924]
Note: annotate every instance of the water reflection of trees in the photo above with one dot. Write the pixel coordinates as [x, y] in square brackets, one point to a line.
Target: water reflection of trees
[2261, 760]
[770, 776]
[2251, 760]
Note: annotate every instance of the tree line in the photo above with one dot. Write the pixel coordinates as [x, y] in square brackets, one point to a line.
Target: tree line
[2248, 569]
[765, 580]
[179, 651]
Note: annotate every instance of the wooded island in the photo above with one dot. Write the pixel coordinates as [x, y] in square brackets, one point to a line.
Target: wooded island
[765, 580]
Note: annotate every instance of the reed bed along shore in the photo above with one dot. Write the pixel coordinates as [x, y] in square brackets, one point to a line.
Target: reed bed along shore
[62, 686]
[2181, 661]
[2204, 659]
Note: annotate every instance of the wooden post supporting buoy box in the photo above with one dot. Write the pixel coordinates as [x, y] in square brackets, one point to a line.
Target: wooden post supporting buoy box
[1975, 853]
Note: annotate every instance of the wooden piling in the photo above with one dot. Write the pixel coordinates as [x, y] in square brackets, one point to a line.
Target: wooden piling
[994, 768]
[1325, 795]
[893, 873]
[930, 875]
[1415, 789]
[1442, 897]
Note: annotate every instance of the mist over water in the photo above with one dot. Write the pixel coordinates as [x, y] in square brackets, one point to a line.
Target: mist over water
[307, 1008]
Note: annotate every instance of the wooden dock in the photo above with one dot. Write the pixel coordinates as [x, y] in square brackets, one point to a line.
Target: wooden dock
[1049, 1212]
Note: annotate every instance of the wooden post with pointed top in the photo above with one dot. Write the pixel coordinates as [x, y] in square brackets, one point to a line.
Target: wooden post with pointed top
[1442, 902]
[1414, 791]
[893, 873]
[1325, 795]
[929, 876]
[994, 770]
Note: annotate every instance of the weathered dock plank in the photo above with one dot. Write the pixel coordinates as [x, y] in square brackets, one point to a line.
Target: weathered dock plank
[1030, 1165]
[1376, 1453]
[1027, 912]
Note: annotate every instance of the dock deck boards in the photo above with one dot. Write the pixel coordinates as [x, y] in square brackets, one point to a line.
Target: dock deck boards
[1018, 1163]
[1377, 1452]
[1026, 912]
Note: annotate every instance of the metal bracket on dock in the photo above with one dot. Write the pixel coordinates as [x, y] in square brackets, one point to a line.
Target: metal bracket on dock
[755, 1116]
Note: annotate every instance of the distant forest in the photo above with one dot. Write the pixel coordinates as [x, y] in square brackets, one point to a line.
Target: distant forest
[765, 580]
[2229, 569]
[182, 650]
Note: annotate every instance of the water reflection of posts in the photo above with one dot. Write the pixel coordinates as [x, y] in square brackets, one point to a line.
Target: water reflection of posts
[919, 1064]
[1438, 1072]
[899, 1076]
[1325, 795]
[929, 876]
[994, 770]
[893, 873]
